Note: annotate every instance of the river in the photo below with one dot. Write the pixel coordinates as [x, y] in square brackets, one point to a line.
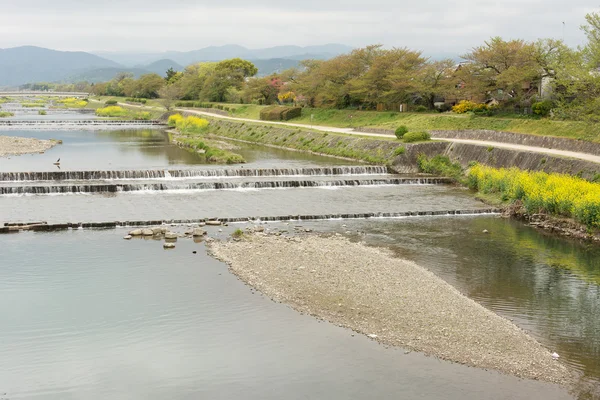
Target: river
[89, 315]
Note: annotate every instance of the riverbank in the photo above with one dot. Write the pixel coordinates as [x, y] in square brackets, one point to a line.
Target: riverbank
[14, 146]
[394, 301]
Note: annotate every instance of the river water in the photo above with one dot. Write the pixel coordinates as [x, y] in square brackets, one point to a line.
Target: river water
[88, 315]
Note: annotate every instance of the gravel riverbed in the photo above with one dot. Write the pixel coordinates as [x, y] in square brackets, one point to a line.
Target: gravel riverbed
[12, 145]
[394, 301]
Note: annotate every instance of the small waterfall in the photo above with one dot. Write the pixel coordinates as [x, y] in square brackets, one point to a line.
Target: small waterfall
[192, 173]
[155, 187]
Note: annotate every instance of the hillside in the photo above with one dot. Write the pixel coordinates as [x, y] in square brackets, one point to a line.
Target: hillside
[26, 64]
[161, 66]
[218, 53]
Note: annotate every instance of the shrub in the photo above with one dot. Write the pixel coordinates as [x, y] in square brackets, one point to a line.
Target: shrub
[439, 165]
[416, 137]
[401, 131]
[191, 124]
[42, 112]
[237, 234]
[542, 108]
[444, 107]
[279, 113]
[173, 119]
[111, 111]
[421, 109]
[6, 114]
[145, 116]
[465, 106]
[136, 100]
[110, 102]
[399, 151]
[557, 194]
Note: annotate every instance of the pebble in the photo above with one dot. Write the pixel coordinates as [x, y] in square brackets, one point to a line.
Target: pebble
[127, 237]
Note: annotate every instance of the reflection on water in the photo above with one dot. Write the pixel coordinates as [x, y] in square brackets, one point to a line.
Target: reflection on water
[547, 285]
[88, 315]
[137, 149]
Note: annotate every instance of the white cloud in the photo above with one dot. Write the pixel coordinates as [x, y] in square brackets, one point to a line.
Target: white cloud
[150, 25]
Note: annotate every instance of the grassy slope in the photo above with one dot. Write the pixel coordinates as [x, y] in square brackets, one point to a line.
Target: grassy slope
[446, 121]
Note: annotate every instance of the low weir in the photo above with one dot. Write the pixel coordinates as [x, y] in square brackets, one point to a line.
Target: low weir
[78, 123]
[190, 173]
[44, 227]
[271, 184]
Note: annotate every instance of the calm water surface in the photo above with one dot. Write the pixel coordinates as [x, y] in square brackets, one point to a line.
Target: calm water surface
[138, 149]
[88, 315]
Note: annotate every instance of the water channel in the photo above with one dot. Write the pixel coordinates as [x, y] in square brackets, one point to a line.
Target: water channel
[88, 315]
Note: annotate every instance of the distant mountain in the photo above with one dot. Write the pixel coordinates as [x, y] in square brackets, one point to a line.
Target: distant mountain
[218, 53]
[27, 64]
[161, 66]
[96, 75]
[273, 65]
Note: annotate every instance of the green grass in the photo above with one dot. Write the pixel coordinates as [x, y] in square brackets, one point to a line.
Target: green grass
[428, 121]
[6, 114]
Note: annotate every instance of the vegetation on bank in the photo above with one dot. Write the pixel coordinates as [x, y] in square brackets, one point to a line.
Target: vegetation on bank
[540, 192]
[192, 134]
[376, 151]
[120, 112]
[72, 102]
[6, 114]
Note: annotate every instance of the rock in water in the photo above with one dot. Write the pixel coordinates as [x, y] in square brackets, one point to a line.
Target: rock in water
[147, 232]
[169, 245]
[136, 232]
[159, 231]
[171, 236]
[127, 237]
[213, 223]
[198, 232]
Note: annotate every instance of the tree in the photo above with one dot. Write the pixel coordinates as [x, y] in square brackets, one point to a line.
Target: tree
[168, 94]
[264, 90]
[592, 31]
[436, 80]
[148, 86]
[505, 69]
[170, 75]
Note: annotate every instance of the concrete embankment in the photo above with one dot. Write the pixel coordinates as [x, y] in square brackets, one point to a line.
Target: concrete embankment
[391, 300]
[386, 151]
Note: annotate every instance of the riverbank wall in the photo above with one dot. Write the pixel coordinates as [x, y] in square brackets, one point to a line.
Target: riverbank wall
[402, 157]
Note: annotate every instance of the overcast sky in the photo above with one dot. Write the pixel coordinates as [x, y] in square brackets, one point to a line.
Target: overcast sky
[155, 25]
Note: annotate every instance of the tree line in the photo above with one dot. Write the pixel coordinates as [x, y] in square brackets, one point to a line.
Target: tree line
[508, 74]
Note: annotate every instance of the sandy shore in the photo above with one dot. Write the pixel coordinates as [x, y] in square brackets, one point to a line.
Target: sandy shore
[403, 304]
[11, 145]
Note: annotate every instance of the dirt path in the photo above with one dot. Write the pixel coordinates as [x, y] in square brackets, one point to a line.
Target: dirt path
[350, 131]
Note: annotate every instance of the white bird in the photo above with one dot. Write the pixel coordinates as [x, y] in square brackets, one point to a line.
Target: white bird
[555, 356]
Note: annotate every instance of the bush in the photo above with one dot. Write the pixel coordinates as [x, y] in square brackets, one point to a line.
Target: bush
[136, 100]
[416, 137]
[542, 108]
[444, 108]
[280, 113]
[110, 102]
[466, 106]
[399, 151]
[42, 112]
[421, 109]
[111, 111]
[439, 165]
[191, 124]
[557, 194]
[173, 119]
[6, 114]
[401, 131]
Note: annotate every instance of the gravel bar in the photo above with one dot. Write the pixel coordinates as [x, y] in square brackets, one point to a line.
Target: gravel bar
[12, 145]
[394, 301]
